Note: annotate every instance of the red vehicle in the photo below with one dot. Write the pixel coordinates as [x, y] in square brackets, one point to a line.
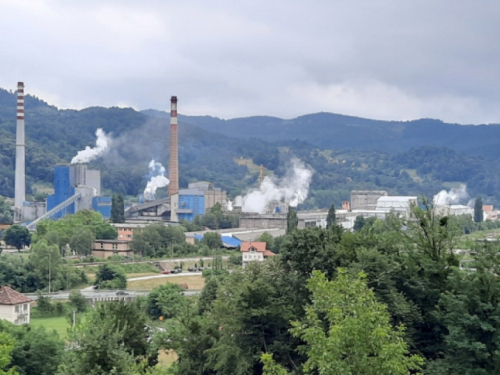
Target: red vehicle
[166, 272]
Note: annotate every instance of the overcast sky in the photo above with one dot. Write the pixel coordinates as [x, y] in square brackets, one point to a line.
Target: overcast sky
[392, 59]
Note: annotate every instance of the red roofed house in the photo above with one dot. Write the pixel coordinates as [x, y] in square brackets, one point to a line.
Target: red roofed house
[254, 252]
[14, 306]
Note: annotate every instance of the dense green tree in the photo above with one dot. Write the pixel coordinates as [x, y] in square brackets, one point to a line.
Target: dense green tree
[6, 346]
[212, 240]
[208, 295]
[35, 350]
[17, 236]
[478, 210]
[157, 240]
[5, 212]
[117, 208]
[109, 277]
[165, 300]
[331, 218]
[113, 338]
[292, 221]
[78, 301]
[82, 241]
[359, 223]
[268, 239]
[345, 321]
[46, 261]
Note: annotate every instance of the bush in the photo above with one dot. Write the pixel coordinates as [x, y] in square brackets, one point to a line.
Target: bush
[235, 259]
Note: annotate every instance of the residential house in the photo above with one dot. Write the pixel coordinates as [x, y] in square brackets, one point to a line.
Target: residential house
[14, 306]
[254, 252]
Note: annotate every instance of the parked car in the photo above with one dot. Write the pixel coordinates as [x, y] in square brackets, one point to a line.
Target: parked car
[191, 269]
[121, 293]
[166, 272]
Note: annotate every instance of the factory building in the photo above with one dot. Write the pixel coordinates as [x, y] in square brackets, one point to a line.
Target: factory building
[196, 200]
[80, 187]
[366, 199]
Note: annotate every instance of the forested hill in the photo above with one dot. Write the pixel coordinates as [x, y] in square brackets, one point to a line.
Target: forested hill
[346, 153]
[333, 131]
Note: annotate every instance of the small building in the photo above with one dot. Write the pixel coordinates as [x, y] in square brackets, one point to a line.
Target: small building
[254, 252]
[106, 248]
[14, 306]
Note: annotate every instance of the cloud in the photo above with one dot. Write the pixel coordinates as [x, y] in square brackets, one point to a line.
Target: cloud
[380, 59]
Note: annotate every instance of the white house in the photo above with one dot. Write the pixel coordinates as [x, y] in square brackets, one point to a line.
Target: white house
[14, 306]
[254, 252]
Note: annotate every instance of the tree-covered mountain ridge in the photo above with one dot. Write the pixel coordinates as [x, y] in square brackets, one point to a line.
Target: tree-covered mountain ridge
[345, 152]
[335, 131]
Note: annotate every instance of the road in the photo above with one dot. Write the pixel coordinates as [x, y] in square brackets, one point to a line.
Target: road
[167, 260]
[102, 294]
[91, 293]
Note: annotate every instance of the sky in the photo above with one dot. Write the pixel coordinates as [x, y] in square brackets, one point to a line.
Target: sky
[380, 59]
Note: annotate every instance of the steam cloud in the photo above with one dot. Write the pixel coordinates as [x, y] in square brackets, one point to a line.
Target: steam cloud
[292, 189]
[101, 145]
[157, 180]
[454, 196]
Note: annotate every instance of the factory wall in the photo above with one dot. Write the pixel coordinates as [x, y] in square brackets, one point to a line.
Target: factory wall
[190, 206]
[62, 190]
[102, 205]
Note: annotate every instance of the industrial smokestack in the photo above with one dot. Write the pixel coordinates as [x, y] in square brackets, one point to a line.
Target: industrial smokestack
[173, 166]
[20, 185]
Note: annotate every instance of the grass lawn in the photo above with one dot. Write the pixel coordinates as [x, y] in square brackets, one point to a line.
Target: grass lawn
[193, 282]
[60, 324]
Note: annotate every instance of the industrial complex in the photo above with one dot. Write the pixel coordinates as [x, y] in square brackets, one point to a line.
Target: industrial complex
[77, 187]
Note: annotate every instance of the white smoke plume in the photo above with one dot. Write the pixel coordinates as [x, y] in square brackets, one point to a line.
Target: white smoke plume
[454, 196]
[90, 153]
[229, 205]
[157, 180]
[291, 190]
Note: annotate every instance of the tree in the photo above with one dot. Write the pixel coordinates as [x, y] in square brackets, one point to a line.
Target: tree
[6, 346]
[117, 208]
[165, 300]
[345, 321]
[359, 223]
[478, 210]
[292, 221]
[82, 241]
[331, 218]
[113, 339]
[46, 261]
[17, 236]
[78, 301]
[109, 277]
[35, 350]
[268, 239]
[212, 240]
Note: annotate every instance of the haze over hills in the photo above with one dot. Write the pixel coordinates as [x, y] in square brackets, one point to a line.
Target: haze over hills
[416, 157]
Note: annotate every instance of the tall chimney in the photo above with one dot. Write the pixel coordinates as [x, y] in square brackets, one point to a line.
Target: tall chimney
[20, 186]
[173, 165]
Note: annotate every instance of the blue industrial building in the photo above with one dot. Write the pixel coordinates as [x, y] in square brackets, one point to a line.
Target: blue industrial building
[77, 188]
[196, 200]
[191, 204]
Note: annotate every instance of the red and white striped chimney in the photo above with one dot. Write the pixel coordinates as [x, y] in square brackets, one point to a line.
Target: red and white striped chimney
[20, 184]
[173, 166]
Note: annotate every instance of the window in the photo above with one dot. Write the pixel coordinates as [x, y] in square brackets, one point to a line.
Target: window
[17, 308]
[115, 246]
[25, 307]
[102, 245]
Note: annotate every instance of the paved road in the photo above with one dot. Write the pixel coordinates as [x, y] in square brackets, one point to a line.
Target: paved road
[102, 294]
[167, 260]
[162, 276]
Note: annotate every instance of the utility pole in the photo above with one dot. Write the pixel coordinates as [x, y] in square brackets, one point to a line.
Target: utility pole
[50, 263]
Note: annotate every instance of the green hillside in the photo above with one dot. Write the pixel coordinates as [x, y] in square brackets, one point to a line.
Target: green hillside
[346, 153]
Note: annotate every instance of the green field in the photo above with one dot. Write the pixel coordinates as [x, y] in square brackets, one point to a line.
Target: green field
[59, 324]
